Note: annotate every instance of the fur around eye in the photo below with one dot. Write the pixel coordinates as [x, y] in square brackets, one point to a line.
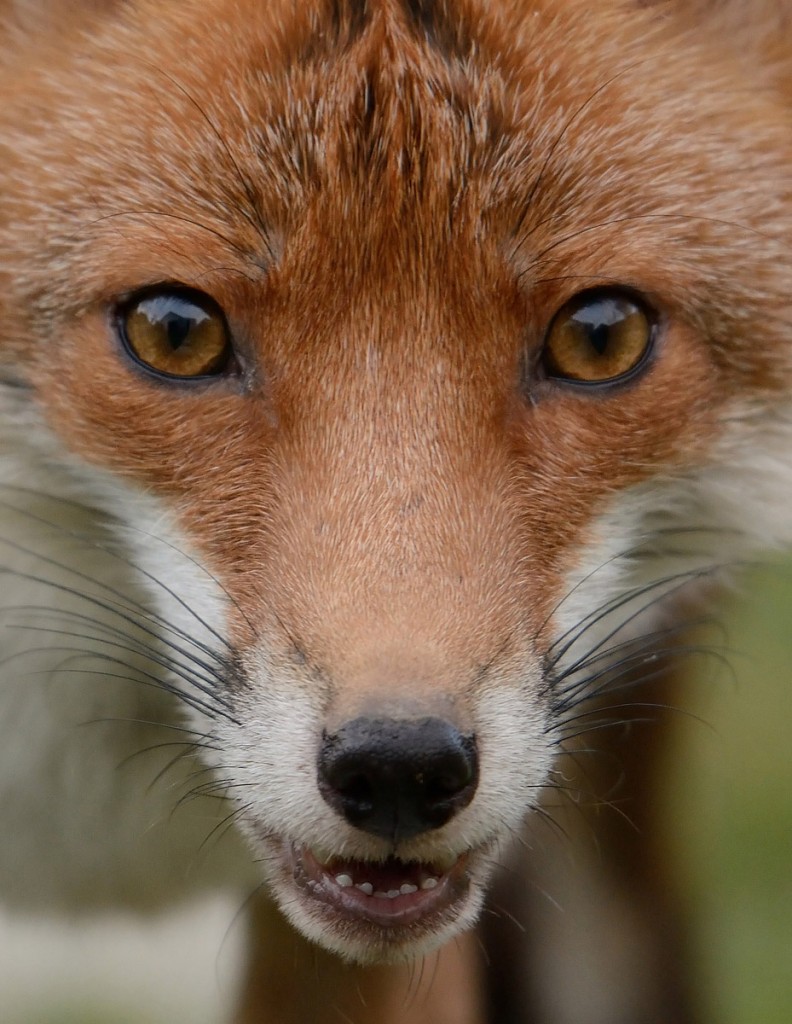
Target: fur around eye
[176, 332]
[599, 337]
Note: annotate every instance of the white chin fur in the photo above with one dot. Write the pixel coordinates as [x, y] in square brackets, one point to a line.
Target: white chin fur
[342, 941]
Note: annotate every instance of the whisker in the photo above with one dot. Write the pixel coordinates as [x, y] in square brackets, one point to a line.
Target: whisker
[627, 666]
[145, 678]
[173, 667]
[566, 127]
[223, 826]
[673, 582]
[252, 214]
[590, 659]
[169, 726]
[638, 551]
[184, 745]
[541, 257]
[124, 598]
[105, 630]
[503, 912]
[603, 723]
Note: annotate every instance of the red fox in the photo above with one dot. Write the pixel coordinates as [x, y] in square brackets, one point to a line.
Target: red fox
[381, 381]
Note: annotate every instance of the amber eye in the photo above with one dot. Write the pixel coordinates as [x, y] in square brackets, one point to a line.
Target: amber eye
[177, 332]
[598, 336]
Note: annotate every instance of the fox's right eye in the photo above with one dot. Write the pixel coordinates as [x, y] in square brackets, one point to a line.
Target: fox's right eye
[176, 332]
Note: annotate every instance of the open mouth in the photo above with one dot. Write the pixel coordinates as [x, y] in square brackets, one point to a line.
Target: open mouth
[389, 894]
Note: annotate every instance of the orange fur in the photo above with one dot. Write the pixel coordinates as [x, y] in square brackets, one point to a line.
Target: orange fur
[390, 201]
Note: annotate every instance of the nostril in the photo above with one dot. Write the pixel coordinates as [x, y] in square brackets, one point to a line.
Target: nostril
[355, 789]
[397, 778]
[446, 786]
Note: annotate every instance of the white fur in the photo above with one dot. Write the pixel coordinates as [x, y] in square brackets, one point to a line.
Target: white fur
[82, 825]
[678, 531]
[86, 820]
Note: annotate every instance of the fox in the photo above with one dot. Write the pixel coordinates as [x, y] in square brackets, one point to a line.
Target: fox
[386, 386]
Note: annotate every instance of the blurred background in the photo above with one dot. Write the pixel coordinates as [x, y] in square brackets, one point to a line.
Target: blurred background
[729, 809]
[730, 798]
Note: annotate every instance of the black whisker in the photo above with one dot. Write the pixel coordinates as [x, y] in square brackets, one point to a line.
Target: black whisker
[124, 598]
[637, 552]
[105, 632]
[673, 582]
[186, 747]
[541, 257]
[223, 826]
[171, 666]
[590, 659]
[566, 127]
[252, 213]
[144, 678]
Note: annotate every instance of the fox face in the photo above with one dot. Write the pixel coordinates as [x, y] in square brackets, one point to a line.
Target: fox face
[397, 337]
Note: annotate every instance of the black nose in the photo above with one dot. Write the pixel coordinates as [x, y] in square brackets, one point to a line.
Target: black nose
[398, 778]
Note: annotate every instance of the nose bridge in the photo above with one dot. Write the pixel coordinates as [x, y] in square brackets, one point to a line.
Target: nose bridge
[379, 440]
[398, 519]
[398, 597]
[399, 443]
[394, 540]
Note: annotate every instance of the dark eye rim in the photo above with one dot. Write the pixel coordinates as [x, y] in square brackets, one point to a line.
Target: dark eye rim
[653, 316]
[123, 306]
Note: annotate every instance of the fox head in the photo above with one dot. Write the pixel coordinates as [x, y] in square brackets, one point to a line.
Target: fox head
[408, 328]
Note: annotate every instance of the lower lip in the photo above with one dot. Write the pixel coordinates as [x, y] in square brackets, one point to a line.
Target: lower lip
[351, 904]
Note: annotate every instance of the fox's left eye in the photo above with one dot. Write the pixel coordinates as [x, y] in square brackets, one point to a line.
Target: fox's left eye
[599, 337]
[177, 332]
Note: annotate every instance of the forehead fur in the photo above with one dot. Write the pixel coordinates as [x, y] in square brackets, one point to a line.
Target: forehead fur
[556, 131]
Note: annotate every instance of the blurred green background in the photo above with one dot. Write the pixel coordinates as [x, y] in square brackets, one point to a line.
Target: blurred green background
[730, 796]
[729, 810]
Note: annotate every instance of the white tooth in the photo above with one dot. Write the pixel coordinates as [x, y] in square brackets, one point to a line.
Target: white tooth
[344, 881]
[406, 889]
[365, 887]
[429, 883]
[380, 895]
[393, 893]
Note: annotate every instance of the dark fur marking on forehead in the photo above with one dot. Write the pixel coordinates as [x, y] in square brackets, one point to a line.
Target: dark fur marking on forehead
[422, 14]
[324, 30]
[349, 18]
[438, 23]
[440, 26]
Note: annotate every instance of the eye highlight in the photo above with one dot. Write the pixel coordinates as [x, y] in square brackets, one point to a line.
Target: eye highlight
[177, 332]
[598, 337]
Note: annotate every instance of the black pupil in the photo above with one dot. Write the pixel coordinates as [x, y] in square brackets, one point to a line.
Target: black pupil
[596, 320]
[177, 317]
[177, 328]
